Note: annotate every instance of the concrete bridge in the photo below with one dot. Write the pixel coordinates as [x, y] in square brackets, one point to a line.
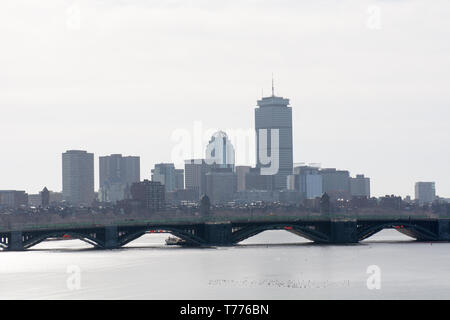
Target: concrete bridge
[221, 230]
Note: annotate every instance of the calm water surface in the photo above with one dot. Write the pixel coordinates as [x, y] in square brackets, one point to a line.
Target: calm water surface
[271, 265]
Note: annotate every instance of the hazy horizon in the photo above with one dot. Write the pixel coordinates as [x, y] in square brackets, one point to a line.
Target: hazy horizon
[368, 83]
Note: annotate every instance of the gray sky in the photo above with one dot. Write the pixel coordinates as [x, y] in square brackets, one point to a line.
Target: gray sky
[368, 82]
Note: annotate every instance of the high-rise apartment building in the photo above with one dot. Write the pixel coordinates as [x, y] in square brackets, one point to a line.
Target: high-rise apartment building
[425, 192]
[78, 177]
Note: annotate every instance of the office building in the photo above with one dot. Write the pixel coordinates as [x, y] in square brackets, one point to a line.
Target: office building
[117, 174]
[336, 183]
[274, 150]
[360, 186]
[171, 178]
[78, 177]
[254, 180]
[221, 185]
[308, 181]
[220, 152]
[116, 168]
[149, 195]
[195, 175]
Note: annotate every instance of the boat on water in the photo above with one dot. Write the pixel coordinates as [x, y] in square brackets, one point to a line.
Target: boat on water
[174, 241]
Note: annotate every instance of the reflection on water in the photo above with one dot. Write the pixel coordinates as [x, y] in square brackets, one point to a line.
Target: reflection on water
[271, 265]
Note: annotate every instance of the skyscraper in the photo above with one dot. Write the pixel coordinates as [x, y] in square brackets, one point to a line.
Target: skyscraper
[273, 125]
[117, 173]
[220, 151]
[167, 175]
[78, 177]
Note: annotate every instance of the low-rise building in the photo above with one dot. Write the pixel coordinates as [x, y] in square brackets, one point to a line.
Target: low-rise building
[149, 195]
[13, 199]
[254, 180]
[221, 185]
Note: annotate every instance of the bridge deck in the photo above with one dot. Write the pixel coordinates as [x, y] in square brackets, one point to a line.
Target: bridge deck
[52, 223]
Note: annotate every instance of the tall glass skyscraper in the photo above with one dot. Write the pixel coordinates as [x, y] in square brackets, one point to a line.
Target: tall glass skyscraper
[220, 152]
[273, 124]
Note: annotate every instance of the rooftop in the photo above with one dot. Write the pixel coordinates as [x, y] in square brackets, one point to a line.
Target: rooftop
[273, 101]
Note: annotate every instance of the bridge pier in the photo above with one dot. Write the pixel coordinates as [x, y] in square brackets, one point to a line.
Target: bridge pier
[218, 234]
[15, 241]
[343, 231]
[444, 229]
[111, 239]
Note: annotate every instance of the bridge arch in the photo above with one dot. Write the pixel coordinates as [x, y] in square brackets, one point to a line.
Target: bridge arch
[411, 230]
[36, 239]
[129, 236]
[302, 231]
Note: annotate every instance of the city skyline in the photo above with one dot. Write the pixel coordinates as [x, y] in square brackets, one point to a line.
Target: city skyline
[353, 108]
[97, 160]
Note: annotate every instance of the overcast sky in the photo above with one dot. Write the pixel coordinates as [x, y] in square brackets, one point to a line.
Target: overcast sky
[368, 82]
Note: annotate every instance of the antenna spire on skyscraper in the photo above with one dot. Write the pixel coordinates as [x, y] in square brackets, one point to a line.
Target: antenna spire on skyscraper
[273, 87]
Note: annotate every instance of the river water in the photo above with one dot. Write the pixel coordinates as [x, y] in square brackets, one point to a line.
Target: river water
[271, 265]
